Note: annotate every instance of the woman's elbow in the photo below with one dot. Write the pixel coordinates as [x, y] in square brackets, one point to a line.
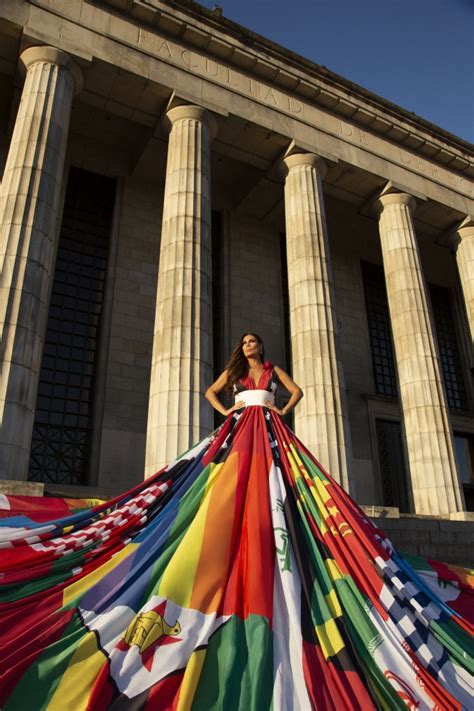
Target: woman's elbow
[209, 393]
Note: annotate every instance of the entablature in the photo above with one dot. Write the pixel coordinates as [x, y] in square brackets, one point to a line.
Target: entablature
[223, 39]
[136, 53]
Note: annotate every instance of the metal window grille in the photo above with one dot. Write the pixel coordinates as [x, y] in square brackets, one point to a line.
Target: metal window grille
[392, 464]
[378, 317]
[448, 348]
[63, 419]
[464, 451]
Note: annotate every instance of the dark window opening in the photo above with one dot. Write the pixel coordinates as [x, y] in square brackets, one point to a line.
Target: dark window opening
[63, 419]
[448, 348]
[393, 477]
[380, 335]
[464, 452]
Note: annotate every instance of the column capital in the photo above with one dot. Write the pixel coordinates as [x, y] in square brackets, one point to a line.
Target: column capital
[393, 198]
[192, 111]
[53, 55]
[460, 241]
[466, 227]
[312, 159]
[452, 238]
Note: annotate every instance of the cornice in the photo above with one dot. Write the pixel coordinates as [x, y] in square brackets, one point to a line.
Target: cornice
[207, 31]
[257, 42]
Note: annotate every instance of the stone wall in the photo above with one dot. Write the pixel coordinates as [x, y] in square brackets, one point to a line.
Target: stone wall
[438, 538]
[255, 299]
[353, 238]
[128, 351]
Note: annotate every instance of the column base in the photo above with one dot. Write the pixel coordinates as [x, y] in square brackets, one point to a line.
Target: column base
[462, 516]
[13, 487]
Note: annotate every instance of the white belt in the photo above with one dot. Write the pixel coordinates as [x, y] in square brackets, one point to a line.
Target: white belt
[255, 397]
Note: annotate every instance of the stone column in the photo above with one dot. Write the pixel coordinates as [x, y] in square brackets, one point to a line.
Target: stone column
[178, 414]
[29, 199]
[462, 244]
[321, 419]
[434, 477]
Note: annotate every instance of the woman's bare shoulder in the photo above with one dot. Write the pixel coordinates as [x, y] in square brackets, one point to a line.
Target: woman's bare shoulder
[220, 382]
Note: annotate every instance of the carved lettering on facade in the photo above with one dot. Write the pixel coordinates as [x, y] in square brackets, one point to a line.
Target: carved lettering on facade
[164, 50]
[295, 106]
[270, 97]
[189, 59]
[365, 138]
[411, 160]
[212, 67]
[201, 65]
[358, 136]
[405, 158]
[346, 129]
[232, 77]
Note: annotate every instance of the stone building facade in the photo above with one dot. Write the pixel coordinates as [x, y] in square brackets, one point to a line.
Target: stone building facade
[170, 180]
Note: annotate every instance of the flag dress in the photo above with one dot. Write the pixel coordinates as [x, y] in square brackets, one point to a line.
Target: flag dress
[239, 577]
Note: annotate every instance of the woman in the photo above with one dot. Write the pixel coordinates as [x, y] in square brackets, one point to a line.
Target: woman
[239, 577]
[247, 362]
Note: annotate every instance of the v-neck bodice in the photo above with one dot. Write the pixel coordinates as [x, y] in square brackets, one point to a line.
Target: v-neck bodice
[256, 384]
[266, 381]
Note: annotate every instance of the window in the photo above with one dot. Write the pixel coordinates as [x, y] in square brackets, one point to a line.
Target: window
[464, 451]
[448, 348]
[378, 317]
[393, 478]
[63, 418]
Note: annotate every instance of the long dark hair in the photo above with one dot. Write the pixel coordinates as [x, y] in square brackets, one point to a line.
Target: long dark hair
[238, 366]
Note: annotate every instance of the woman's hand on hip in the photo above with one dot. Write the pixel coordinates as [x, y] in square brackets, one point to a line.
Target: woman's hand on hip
[271, 406]
[237, 406]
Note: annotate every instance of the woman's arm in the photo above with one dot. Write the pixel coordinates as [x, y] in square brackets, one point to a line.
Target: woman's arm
[214, 389]
[295, 392]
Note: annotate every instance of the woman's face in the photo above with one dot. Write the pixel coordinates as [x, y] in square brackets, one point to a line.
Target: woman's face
[250, 346]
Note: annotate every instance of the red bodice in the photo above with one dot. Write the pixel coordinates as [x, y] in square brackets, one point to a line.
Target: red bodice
[263, 382]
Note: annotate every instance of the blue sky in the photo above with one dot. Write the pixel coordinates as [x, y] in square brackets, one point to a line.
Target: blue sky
[417, 53]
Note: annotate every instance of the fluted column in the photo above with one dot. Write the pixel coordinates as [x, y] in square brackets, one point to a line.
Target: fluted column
[321, 419]
[178, 414]
[29, 200]
[434, 477]
[462, 244]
